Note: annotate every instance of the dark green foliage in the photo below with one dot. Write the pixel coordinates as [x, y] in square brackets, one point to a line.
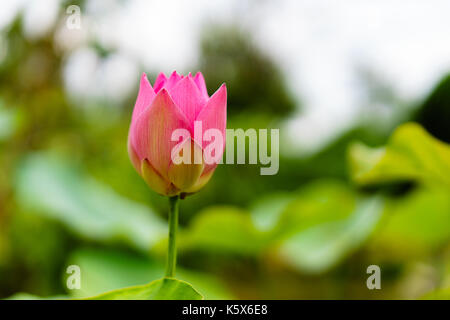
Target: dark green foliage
[434, 113]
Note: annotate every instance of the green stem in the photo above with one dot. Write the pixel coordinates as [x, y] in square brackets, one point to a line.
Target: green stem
[173, 225]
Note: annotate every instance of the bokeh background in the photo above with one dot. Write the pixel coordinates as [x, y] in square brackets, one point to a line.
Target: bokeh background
[356, 185]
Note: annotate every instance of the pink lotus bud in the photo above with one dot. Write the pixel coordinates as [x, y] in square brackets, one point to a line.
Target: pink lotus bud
[178, 102]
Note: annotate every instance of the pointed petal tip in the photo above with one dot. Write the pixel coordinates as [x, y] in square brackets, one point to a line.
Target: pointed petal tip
[201, 84]
[222, 90]
[175, 74]
[144, 80]
[145, 96]
[188, 97]
[187, 81]
[160, 81]
[160, 78]
[164, 94]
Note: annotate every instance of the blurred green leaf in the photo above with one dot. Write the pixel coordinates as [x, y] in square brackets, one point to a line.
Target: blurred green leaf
[105, 270]
[274, 217]
[318, 248]
[27, 296]
[8, 121]
[441, 294]
[415, 224]
[316, 203]
[49, 186]
[24, 296]
[267, 210]
[223, 229]
[411, 154]
[163, 289]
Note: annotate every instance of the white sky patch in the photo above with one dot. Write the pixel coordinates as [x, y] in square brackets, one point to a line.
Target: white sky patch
[109, 79]
[163, 35]
[39, 17]
[80, 73]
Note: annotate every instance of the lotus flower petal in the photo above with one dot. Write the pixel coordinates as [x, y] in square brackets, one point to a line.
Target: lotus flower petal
[159, 82]
[133, 157]
[200, 82]
[185, 175]
[201, 182]
[156, 181]
[145, 97]
[214, 116]
[172, 81]
[188, 98]
[175, 103]
[152, 132]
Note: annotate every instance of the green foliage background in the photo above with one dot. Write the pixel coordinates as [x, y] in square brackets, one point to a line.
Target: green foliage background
[68, 194]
